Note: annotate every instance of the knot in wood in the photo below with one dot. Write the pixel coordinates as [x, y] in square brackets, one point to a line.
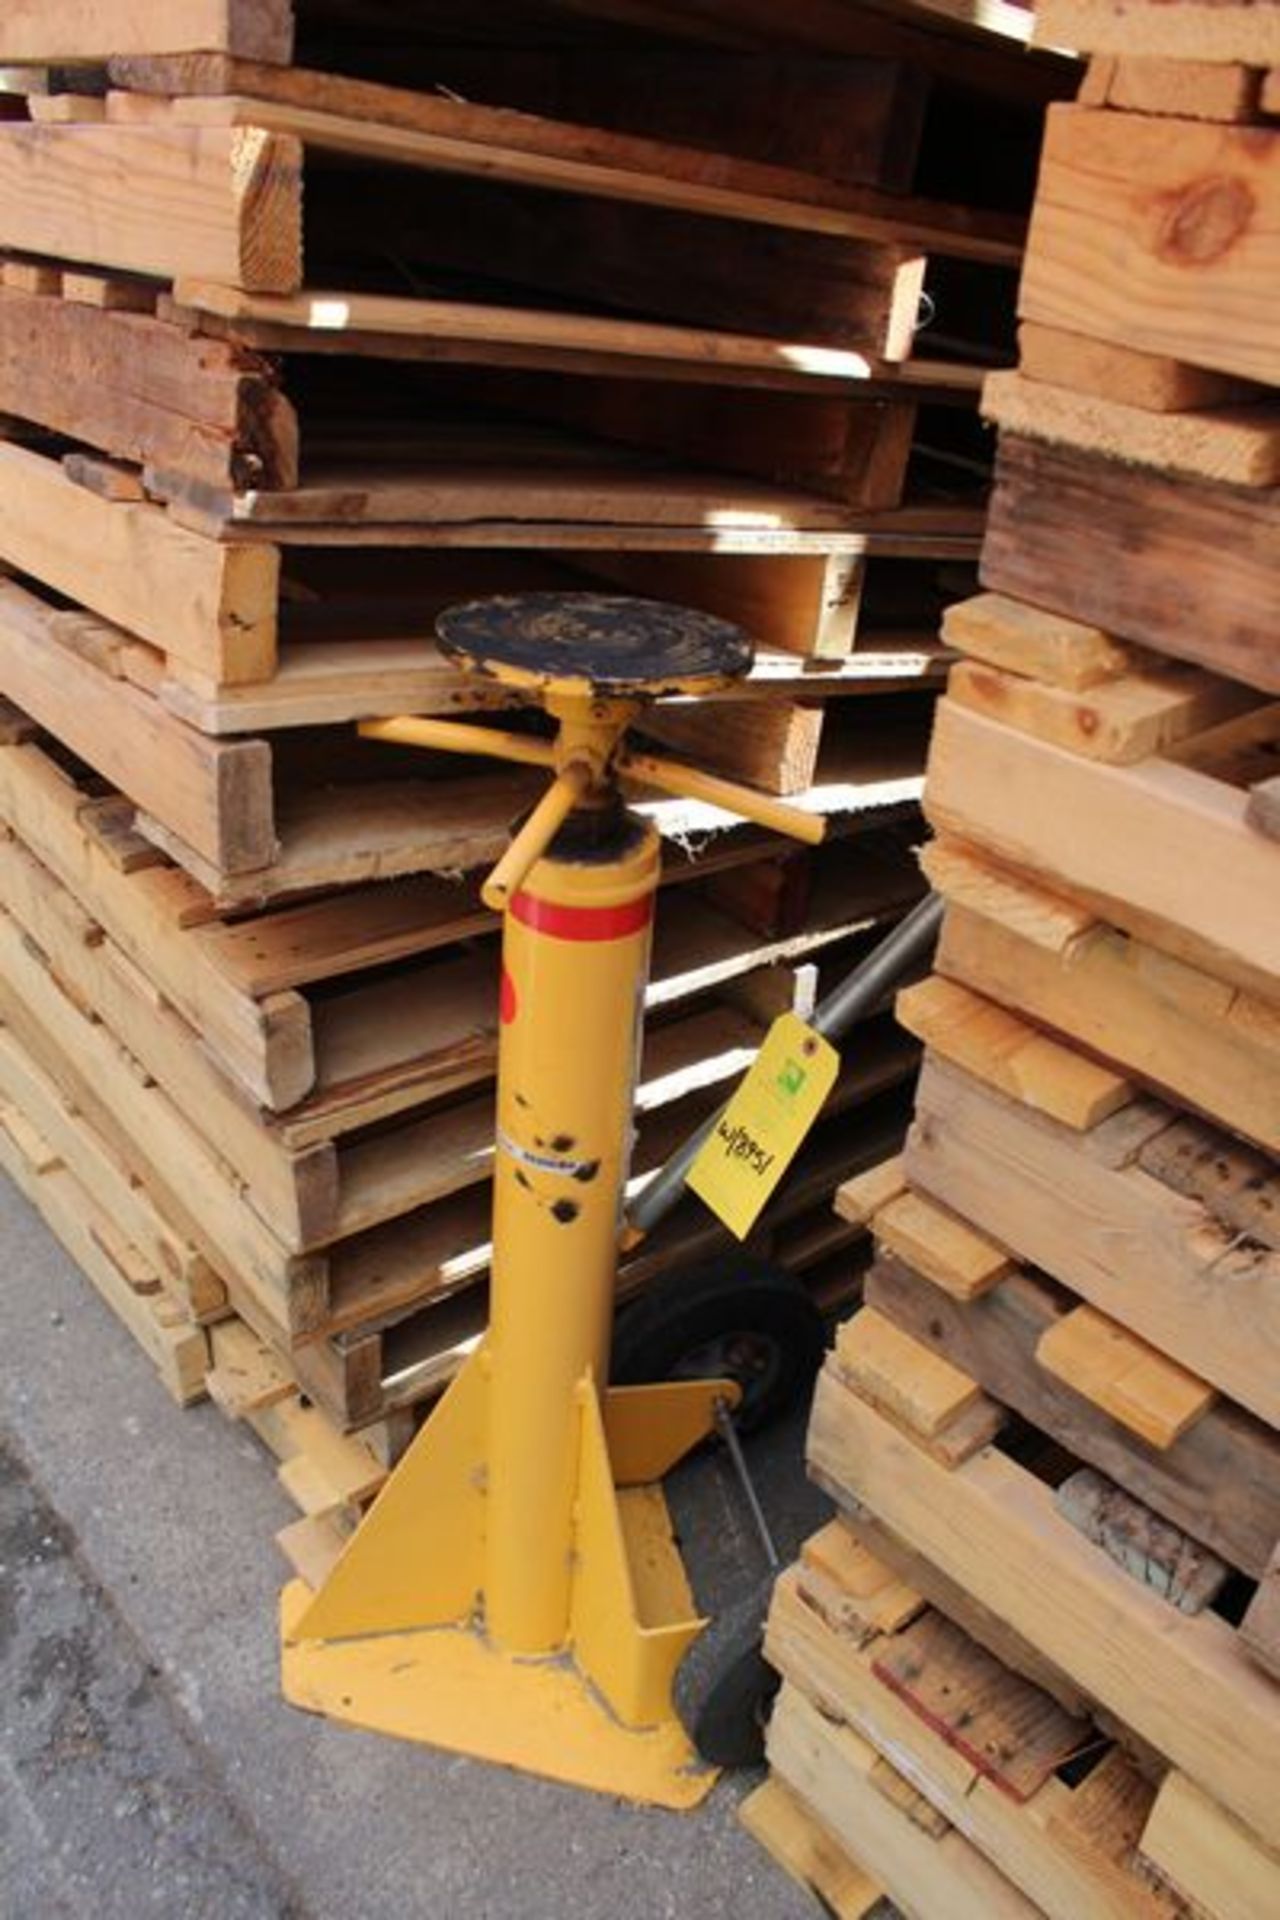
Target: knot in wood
[1203, 221]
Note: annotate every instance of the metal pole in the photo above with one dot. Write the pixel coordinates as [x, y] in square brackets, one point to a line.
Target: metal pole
[908, 942]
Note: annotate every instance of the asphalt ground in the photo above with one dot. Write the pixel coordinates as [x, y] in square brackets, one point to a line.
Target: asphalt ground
[147, 1762]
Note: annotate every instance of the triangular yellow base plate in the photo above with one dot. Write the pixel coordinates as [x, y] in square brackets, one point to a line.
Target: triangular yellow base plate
[447, 1687]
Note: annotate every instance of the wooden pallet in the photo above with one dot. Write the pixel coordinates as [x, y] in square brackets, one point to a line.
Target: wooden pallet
[1173, 1027]
[1155, 1219]
[1043, 1797]
[1182, 1682]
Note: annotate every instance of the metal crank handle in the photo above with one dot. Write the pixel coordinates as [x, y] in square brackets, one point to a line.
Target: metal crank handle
[452, 736]
[690, 783]
[565, 793]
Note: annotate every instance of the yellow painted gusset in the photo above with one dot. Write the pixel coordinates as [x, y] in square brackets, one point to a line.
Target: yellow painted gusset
[417, 1560]
[449, 1689]
[632, 1658]
[649, 1429]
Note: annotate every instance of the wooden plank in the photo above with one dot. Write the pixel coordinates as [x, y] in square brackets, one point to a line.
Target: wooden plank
[1007, 1053]
[1264, 807]
[223, 203]
[1141, 1388]
[1069, 1846]
[1158, 1262]
[213, 606]
[1111, 371]
[1260, 1628]
[216, 794]
[919, 1391]
[1218, 1482]
[1024, 639]
[95, 30]
[348, 321]
[1234, 446]
[940, 1245]
[1179, 1030]
[1213, 30]
[802, 1847]
[1182, 1682]
[262, 1034]
[1053, 812]
[1146, 1547]
[773, 746]
[1181, 566]
[1122, 722]
[450, 135]
[1187, 89]
[1206, 1856]
[1192, 282]
[842, 1778]
[146, 392]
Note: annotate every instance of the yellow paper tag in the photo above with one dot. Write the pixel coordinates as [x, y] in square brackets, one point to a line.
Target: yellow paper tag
[760, 1130]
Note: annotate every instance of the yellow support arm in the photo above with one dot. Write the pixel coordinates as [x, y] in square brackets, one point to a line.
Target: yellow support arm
[690, 783]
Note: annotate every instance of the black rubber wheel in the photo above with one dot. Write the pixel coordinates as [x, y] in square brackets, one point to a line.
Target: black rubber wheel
[735, 1318]
[725, 1687]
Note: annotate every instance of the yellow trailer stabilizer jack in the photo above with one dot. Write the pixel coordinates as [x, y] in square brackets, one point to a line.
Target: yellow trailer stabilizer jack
[515, 1592]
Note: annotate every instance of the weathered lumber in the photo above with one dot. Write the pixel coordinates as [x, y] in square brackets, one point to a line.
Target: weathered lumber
[1179, 1029]
[211, 605]
[1213, 30]
[1235, 446]
[1054, 813]
[1067, 1847]
[1218, 1481]
[1159, 234]
[146, 392]
[95, 30]
[872, 1811]
[1159, 383]
[224, 203]
[1186, 89]
[803, 1848]
[1264, 807]
[1182, 1682]
[1206, 1856]
[1085, 1209]
[1182, 566]
[216, 794]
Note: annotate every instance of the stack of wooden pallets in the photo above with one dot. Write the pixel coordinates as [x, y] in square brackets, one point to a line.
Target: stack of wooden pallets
[1034, 1666]
[292, 358]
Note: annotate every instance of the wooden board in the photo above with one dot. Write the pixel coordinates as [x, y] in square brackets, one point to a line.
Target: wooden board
[1260, 1628]
[868, 1808]
[1081, 1208]
[1159, 383]
[1165, 234]
[1127, 1377]
[1054, 813]
[1186, 89]
[94, 30]
[1181, 566]
[216, 794]
[224, 203]
[1006, 1052]
[1042, 646]
[1214, 30]
[803, 1848]
[1178, 1029]
[1206, 1856]
[340, 320]
[146, 391]
[1182, 1682]
[445, 134]
[1068, 1849]
[1234, 446]
[1218, 1482]
[1264, 807]
[1122, 722]
[210, 605]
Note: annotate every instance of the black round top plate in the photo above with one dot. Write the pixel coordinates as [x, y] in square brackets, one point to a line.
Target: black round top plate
[599, 642]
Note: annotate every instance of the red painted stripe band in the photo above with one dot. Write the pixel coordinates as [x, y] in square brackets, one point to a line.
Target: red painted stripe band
[583, 923]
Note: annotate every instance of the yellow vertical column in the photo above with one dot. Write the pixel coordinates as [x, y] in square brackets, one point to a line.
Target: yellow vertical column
[575, 962]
